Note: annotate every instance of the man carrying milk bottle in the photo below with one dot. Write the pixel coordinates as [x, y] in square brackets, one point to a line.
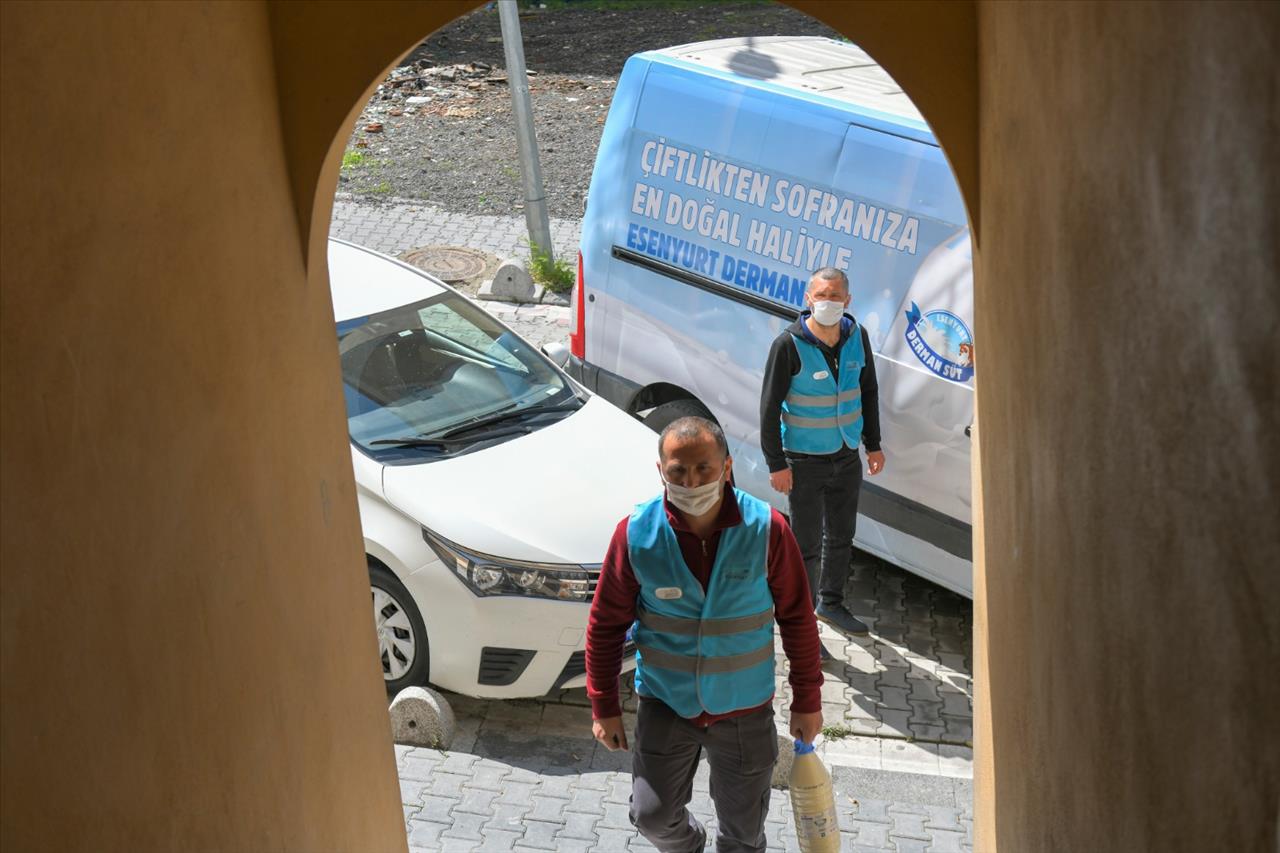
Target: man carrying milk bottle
[819, 400]
[701, 573]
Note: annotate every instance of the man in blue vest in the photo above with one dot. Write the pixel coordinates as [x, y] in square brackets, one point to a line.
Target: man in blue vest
[700, 574]
[819, 400]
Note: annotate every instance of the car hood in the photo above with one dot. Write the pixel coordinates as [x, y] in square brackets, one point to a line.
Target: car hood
[554, 495]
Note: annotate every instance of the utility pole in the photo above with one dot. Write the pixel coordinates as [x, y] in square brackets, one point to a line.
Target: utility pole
[535, 196]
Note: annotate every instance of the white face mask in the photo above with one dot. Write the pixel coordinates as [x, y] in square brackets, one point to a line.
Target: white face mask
[827, 313]
[695, 500]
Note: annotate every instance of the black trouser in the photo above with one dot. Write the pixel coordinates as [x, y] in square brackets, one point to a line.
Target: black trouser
[824, 516]
[741, 751]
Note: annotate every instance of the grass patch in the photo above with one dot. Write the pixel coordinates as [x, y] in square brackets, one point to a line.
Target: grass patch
[555, 275]
[352, 159]
[836, 732]
[382, 188]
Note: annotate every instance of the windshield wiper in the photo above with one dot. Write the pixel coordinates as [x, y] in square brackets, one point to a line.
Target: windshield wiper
[507, 415]
[444, 443]
[417, 441]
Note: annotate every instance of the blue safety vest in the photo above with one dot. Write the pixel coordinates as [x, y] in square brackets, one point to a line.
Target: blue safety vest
[703, 651]
[819, 414]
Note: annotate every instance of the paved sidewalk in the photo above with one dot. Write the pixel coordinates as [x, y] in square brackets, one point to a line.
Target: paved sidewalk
[526, 774]
[395, 227]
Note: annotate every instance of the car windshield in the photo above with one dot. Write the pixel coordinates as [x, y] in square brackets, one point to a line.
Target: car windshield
[433, 367]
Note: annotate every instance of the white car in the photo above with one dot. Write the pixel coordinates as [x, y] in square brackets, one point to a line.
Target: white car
[489, 484]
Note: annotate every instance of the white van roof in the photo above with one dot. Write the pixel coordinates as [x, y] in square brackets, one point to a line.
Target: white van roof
[835, 69]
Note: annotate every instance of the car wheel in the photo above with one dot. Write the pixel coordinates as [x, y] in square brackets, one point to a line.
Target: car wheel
[668, 413]
[402, 636]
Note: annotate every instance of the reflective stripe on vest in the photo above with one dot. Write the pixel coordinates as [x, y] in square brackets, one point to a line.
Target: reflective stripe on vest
[682, 663]
[705, 627]
[702, 651]
[819, 413]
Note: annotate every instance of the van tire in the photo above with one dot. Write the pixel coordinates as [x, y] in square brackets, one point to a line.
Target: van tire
[668, 413]
[387, 589]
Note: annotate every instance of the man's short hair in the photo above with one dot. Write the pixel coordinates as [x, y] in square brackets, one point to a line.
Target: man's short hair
[829, 274]
[691, 427]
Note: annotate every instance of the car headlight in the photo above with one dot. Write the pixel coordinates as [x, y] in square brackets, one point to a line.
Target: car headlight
[486, 575]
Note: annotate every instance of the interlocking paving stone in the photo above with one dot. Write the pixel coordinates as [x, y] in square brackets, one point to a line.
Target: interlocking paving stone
[613, 839]
[541, 834]
[551, 809]
[946, 841]
[586, 801]
[524, 775]
[871, 834]
[872, 810]
[467, 826]
[423, 833]
[616, 816]
[476, 801]
[412, 790]
[438, 809]
[508, 816]
[488, 775]
[518, 793]
[415, 766]
[448, 784]
[619, 789]
[894, 697]
[498, 840]
[458, 762]
[908, 824]
[558, 784]
[578, 825]
[595, 782]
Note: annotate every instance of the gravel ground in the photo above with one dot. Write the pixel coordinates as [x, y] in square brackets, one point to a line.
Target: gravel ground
[456, 149]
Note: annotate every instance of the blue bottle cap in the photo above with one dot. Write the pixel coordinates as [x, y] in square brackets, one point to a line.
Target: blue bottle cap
[803, 748]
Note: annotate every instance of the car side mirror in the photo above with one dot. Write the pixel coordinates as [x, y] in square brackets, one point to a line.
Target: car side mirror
[557, 352]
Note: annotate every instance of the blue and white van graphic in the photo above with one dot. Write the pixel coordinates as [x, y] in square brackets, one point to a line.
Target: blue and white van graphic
[942, 342]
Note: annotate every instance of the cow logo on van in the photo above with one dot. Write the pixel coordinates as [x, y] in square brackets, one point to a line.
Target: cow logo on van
[942, 342]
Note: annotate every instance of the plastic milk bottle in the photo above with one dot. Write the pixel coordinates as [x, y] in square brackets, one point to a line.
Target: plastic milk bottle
[813, 802]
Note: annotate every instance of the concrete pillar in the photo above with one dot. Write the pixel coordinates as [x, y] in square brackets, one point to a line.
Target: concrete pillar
[1127, 300]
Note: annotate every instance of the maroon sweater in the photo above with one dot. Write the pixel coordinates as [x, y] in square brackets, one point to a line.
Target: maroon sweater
[614, 609]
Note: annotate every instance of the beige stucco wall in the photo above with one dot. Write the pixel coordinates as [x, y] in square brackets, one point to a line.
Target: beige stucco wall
[187, 645]
[1128, 295]
[188, 651]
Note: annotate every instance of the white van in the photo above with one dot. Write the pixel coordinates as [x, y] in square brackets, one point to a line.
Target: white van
[727, 172]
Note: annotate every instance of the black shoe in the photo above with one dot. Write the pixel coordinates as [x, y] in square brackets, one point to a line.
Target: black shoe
[838, 617]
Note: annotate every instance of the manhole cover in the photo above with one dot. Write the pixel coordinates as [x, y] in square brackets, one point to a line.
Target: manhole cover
[447, 263]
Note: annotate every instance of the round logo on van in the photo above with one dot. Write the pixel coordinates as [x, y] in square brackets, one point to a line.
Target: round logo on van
[942, 342]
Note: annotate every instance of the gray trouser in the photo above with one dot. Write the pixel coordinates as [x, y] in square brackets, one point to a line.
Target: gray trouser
[741, 752]
[824, 518]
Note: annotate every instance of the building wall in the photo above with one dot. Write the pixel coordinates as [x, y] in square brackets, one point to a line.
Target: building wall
[1128, 291]
[188, 649]
[187, 643]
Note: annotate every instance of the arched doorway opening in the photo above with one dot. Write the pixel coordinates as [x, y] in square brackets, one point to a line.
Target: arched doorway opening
[935, 739]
